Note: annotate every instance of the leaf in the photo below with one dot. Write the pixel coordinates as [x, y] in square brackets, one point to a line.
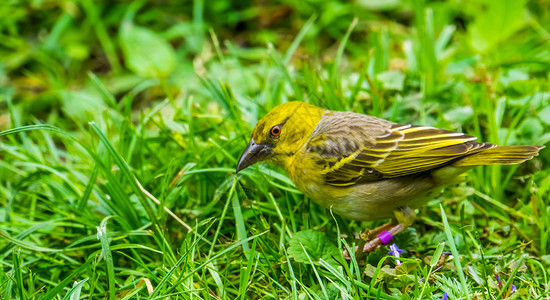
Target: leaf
[74, 292]
[407, 239]
[513, 75]
[80, 106]
[495, 21]
[145, 52]
[437, 254]
[388, 274]
[379, 4]
[535, 100]
[462, 67]
[334, 291]
[544, 115]
[407, 267]
[517, 84]
[459, 114]
[475, 273]
[521, 88]
[316, 245]
[531, 127]
[392, 80]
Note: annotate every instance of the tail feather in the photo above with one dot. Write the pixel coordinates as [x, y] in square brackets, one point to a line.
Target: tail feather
[503, 155]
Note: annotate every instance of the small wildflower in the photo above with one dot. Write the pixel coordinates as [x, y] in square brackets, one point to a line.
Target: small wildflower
[513, 290]
[395, 252]
[498, 278]
[445, 296]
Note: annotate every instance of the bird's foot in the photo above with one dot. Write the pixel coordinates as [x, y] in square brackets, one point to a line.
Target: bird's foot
[372, 239]
[383, 235]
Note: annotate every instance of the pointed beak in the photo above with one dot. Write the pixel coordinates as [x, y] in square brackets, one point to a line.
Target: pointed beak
[253, 154]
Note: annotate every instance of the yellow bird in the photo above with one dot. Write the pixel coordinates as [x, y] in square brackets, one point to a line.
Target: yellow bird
[365, 168]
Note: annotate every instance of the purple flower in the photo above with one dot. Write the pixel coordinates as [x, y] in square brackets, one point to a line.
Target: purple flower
[395, 252]
[513, 290]
[445, 296]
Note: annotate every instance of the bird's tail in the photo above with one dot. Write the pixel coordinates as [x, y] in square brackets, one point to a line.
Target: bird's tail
[503, 155]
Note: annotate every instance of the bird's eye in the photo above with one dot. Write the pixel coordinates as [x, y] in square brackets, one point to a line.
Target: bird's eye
[275, 131]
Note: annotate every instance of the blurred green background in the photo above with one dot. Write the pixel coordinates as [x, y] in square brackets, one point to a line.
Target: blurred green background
[110, 110]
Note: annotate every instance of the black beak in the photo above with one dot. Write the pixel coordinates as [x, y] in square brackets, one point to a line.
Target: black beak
[253, 154]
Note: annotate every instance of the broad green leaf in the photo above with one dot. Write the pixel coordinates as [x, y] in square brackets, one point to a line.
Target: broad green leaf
[531, 127]
[533, 100]
[388, 274]
[513, 75]
[459, 114]
[495, 21]
[544, 115]
[407, 239]
[520, 88]
[81, 106]
[392, 80]
[379, 4]
[463, 67]
[145, 52]
[316, 245]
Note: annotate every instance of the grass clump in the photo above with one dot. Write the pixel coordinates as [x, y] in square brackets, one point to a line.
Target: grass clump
[121, 125]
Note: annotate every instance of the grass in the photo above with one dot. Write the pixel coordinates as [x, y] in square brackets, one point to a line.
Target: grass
[122, 123]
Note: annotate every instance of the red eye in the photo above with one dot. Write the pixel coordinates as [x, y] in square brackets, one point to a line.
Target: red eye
[275, 131]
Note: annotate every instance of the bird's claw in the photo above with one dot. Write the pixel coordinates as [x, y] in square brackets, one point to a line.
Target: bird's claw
[383, 237]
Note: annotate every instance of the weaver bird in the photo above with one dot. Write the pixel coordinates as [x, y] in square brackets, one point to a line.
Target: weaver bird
[365, 168]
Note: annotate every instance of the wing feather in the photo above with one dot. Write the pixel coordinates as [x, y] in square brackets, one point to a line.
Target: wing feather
[364, 148]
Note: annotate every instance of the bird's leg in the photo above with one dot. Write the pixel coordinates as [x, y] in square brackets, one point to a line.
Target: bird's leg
[384, 234]
[383, 238]
[405, 217]
[369, 234]
[364, 237]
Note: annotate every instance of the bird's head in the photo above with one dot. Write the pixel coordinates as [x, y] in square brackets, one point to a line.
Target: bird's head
[280, 134]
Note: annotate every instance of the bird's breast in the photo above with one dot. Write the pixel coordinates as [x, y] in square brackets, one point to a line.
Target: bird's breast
[362, 202]
[309, 177]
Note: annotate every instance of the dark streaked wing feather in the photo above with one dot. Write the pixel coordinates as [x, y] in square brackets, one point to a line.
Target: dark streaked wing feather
[360, 148]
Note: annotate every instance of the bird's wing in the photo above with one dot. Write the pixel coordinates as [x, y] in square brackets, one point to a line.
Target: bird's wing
[367, 149]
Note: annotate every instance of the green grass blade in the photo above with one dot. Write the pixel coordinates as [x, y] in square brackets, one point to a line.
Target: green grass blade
[107, 256]
[62, 284]
[74, 292]
[298, 39]
[456, 257]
